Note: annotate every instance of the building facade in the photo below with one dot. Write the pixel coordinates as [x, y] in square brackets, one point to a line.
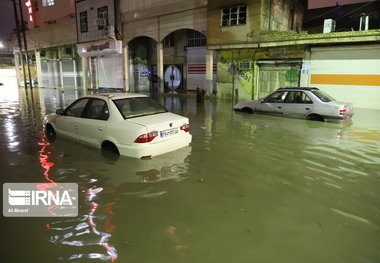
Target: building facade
[51, 43]
[265, 45]
[165, 44]
[99, 44]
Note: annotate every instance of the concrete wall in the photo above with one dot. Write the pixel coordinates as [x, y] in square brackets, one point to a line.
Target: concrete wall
[157, 19]
[232, 34]
[48, 14]
[57, 34]
[91, 7]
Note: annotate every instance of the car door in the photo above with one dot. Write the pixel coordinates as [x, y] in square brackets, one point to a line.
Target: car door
[91, 127]
[67, 123]
[297, 105]
[273, 103]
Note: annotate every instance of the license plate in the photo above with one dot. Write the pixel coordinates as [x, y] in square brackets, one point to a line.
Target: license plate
[168, 132]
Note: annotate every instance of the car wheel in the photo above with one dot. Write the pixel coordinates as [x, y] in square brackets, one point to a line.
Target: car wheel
[246, 109]
[315, 117]
[50, 132]
[108, 149]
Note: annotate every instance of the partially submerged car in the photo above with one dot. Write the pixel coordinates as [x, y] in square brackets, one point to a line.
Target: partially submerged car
[298, 102]
[130, 124]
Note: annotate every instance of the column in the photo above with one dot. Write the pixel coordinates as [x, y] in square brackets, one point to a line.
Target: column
[39, 68]
[17, 65]
[209, 72]
[60, 66]
[126, 68]
[160, 67]
[85, 80]
[75, 73]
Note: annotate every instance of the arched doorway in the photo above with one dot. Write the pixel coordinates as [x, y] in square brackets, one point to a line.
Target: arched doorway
[184, 57]
[143, 69]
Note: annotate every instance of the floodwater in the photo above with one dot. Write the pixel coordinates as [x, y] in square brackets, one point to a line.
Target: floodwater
[250, 188]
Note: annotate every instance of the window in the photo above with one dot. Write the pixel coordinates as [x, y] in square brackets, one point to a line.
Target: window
[322, 96]
[298, 97]
[103, 14]
[168, 41]
[97, 109]
[276, 97]
[68, 51]
[140, 106]
[234, 16]
[47, 2]
[195, 39]
[83, 22]
[76, 109]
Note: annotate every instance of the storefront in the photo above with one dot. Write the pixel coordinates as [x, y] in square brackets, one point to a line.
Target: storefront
[348, 73]
[104, 62]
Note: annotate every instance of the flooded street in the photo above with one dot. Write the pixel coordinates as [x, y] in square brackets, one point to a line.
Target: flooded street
[250, 188]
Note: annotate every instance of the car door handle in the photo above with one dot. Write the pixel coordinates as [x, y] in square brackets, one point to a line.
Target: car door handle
[279, 107]
[307, 108]
[100, 129]
[75, 125]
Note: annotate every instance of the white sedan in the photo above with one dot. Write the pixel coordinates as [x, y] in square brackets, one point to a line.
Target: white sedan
[130, 124]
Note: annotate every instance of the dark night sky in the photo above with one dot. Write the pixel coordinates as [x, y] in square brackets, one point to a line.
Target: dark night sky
[7, 23]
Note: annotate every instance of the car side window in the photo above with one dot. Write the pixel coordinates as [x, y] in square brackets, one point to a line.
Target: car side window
[96, 109]
[277, 97]
[298, 97]
[76, 108]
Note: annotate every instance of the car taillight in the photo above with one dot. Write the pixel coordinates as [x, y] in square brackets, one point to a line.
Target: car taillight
[185, 127]
[341, 112]
[146, 137]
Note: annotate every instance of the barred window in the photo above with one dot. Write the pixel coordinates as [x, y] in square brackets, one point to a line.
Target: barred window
[83, 22]
[168, 41]
[195, 39]
[235, 15]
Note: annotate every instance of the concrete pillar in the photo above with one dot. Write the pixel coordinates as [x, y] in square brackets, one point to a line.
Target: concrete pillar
[75, 73]
[85, 79]
[160, 67]
[60, 66]
[17, 65]
[39, 68]
[126, 67]
[209, 72]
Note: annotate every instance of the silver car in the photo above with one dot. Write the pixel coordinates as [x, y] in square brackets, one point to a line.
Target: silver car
[297, 102]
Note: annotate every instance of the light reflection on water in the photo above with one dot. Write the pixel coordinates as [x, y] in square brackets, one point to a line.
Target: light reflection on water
[251, 188]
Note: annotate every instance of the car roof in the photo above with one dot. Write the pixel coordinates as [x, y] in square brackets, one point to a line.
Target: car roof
[298, 88]
[113, 96]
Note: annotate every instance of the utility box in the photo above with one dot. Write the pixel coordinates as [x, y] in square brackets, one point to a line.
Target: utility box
[329, 26]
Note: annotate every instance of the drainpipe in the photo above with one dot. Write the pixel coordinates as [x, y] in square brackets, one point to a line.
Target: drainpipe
[25, 44]
[19, 43]
[270, 16]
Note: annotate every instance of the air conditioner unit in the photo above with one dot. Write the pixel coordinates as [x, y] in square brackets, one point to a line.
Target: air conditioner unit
[245, 65]
[109, 31]
[100, 22]
[329, 26]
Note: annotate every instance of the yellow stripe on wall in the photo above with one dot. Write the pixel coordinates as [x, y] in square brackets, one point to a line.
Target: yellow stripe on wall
[345, 79]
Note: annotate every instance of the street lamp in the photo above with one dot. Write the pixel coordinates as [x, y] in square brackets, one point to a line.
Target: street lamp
[1, 45]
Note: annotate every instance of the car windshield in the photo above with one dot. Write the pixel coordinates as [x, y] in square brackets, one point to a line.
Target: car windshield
[322, 96]
[137, 107]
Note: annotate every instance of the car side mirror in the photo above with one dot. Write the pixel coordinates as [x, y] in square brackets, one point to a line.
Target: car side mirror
[59, 112]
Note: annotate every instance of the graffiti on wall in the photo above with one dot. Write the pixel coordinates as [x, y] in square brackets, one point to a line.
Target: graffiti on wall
[228, 72]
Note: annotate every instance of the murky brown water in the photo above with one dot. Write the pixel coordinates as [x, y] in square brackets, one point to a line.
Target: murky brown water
[251, 188]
